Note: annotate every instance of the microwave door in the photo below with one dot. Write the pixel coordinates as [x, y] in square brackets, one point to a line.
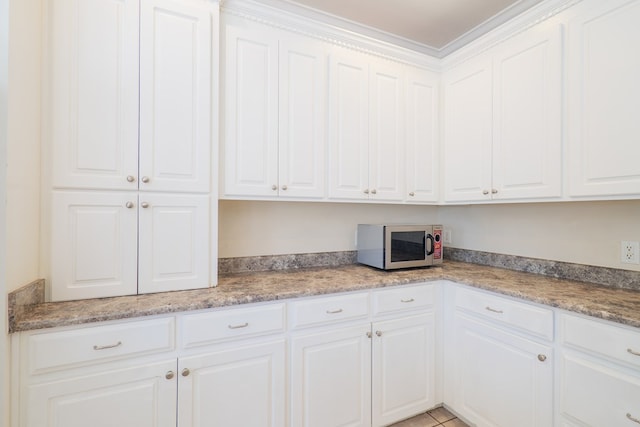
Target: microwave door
[407, 248]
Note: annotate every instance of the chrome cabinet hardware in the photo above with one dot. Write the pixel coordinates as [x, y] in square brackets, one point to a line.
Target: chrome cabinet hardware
[334, 311]
[373, 191]
[131, 178]
[485, 192]
[366, 191]
[274, 187]
[284, 187]
[494, 191]
[632, 418]
[542, 357]
[368, 334]
[104, 347]
[145, 179]
[185, 372]
[379, 333]
[631, 351]
[144, 205]
[240, 326]
[493, 310]
[407, 300]
[412, 194]
[169, 375]
[129, 205]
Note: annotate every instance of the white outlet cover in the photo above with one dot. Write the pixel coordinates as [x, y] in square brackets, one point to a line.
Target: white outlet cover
[630, 252]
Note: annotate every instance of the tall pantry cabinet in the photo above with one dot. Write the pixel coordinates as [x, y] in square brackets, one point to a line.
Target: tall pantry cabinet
[128, 137]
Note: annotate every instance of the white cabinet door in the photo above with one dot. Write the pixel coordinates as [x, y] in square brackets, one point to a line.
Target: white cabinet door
[173, 242]
[301, 143]
[250, 116]
[331, 378]
[92, 107]
[139, 396]
[467, 132]
[348, 125]
[403, 368]
[500, 379]
[386, 131]
[603, 98]
[93, 245]
[527, 116]
[243, 385]
[421, 136]
[175, 95]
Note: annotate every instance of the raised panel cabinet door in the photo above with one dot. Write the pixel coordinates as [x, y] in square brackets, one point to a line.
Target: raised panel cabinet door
[250, 114]
[331, 378]
[91, 108]
[138, 396]
[603, 100]
[93, 245]
[527, 116]
[467, 132]
[243, 385]
[303, 81]
[421, 136]
[501, 379]
[175, 95]
[174, 242]
[403, 359]
[386, 130]
[348, 126]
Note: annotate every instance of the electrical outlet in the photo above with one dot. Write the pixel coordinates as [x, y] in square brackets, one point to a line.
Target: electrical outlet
[630, 252]
[446, 236]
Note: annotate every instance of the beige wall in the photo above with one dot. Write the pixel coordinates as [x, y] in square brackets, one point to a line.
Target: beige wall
[579, 232]
[4, 337]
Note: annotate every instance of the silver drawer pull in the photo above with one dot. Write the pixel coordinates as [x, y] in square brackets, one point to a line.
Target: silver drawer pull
[635, 353]
[240, 326]
[632, 418]
[493, 310]
[104, 347]
[334, 311]
[407, 300]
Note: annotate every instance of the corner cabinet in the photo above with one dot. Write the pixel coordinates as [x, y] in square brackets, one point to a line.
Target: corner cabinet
[503, 121]
[128, 125]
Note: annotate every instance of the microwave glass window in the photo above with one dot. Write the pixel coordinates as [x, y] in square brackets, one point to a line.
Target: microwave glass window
[407, 246]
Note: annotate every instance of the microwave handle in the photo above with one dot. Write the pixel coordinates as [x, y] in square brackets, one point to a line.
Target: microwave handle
[429, 237]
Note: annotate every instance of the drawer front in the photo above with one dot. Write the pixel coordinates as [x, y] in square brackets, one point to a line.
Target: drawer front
[611, 341]
[318, 311]
[529, 318]
[57, 350]
[205, 328]
[598, 395]
[403, 298]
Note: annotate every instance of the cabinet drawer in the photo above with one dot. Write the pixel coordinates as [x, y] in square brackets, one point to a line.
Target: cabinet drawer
[606, 340]
[56, 350]
[329, 309]
[532, 319]
[205, 328]
[402, 298]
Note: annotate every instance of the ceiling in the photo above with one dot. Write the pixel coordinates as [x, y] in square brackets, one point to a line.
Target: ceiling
[436, 27]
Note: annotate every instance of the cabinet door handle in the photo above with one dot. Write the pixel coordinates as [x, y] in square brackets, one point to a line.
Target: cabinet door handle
[274, 187]
[104, 347]
[169, 375]
[485, 192]
[144, 205]
[334, 311]
[185, 372]
[493, 310]
[374, 191]
[407, 300]
[368, 334]
[284, 187]
[632, 418]
[366, 191]
[145, 179]
[129, 205]
[131, 178]
[379, 333]
[240, 326]
[412, 194]
[542, 357]
[631, 351]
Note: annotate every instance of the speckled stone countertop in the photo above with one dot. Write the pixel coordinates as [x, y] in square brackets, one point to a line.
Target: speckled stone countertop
[618, 305]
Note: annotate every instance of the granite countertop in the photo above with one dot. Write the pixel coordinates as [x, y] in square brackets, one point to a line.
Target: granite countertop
[618, 305]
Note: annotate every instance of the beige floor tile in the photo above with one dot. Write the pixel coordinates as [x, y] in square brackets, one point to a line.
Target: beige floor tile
[441, 414]
[456, 422]
[423, 420]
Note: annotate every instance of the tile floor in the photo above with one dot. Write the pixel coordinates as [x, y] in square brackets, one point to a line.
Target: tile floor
[434, 418]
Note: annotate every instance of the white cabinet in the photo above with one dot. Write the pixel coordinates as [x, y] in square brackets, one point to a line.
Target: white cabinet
[501, 373]
[366, 128]
[599, 380]
[502, 115]
[602, 95]
[274, 114]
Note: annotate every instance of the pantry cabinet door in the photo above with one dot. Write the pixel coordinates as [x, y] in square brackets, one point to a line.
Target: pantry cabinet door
[250, 114]
[91, 107]
[139, 396]
[422, 158]
[175, 95]
[348, 125]
[386, 131]
[174, 242]
[527, 116]
[243, 385]
[303, 79]
[93, 245]
[467, 132]
[603, 99]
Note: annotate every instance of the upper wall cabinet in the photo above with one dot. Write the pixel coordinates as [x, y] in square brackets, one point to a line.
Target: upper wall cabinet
[503, 121]
[120, 69]
[604, 100]
[273, 118]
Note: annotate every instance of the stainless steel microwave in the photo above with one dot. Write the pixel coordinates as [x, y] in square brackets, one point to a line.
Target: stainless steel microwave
[389, 246]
